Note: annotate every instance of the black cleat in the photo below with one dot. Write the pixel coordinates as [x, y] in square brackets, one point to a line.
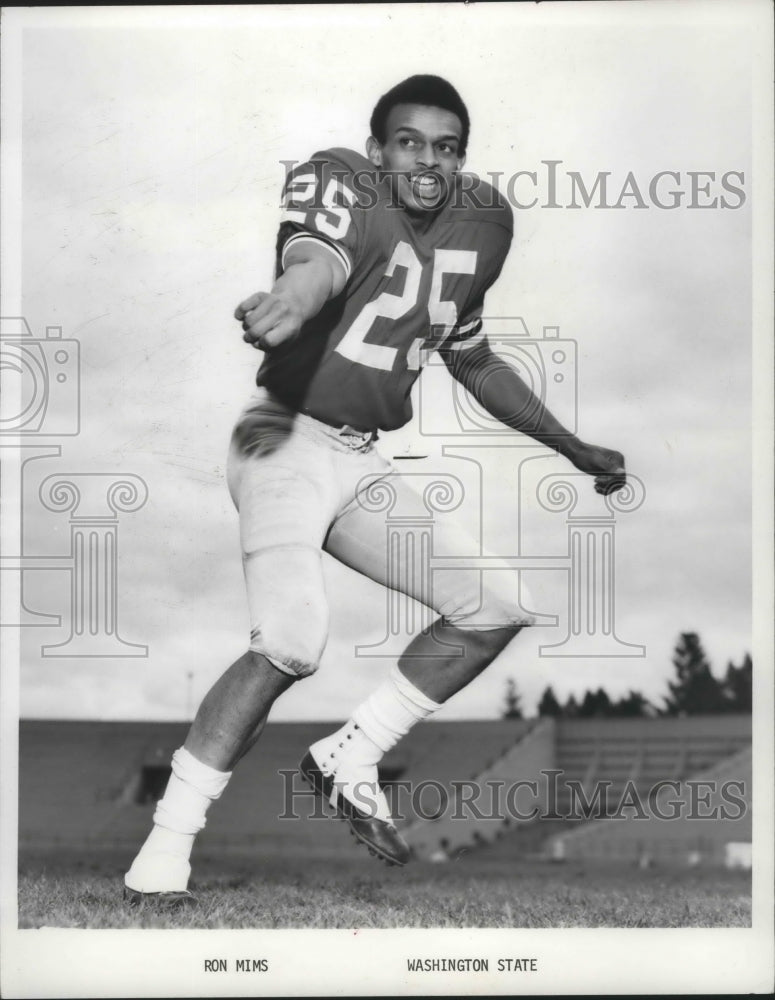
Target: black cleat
[159, 900]
[381, 838]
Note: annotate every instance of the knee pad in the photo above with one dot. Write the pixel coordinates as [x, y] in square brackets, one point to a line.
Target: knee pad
[288, 608]
[497, 603]
[292, 643]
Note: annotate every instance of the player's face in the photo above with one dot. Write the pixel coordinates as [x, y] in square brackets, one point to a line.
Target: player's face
[422, 151]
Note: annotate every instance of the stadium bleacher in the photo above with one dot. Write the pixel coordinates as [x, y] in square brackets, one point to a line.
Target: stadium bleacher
[93, 785]
[82, 782]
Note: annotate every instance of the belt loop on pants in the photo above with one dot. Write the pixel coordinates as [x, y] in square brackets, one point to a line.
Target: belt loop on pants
[355, 439]
[348, 435]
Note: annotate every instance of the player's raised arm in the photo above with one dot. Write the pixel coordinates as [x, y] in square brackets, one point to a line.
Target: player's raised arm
[498, 388]
[311, 277]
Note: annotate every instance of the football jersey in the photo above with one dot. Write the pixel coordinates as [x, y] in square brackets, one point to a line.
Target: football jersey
[414, 283]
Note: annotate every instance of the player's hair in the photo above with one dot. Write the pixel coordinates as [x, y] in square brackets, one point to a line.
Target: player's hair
[432, 91]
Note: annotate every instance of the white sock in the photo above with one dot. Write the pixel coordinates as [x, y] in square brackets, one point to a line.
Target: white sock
[378, 723]
[392, 710]
[162, 864]
[190, 790]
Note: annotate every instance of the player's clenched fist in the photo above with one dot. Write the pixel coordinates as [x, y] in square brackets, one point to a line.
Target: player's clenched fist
[605, 464]
[268, 319]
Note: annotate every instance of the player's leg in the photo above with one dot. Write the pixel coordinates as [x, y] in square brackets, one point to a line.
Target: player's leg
[477, 620]
[224, 728]
[479, 613]
[282, 488]
[440, 680]
[234, 711]
[289, 627]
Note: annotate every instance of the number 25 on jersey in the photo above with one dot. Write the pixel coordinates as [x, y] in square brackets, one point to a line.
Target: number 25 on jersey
[442, 312]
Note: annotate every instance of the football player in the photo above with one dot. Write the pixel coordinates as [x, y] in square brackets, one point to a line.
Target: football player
[380, 260]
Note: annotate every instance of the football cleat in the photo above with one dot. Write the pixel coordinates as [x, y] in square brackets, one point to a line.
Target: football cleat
[159, 900]
[379, 835]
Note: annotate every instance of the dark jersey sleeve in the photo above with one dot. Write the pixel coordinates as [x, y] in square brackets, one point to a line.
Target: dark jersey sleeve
[319, 203]
[494, 224]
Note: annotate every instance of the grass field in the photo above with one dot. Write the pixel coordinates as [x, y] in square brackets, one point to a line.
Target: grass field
[355, 892]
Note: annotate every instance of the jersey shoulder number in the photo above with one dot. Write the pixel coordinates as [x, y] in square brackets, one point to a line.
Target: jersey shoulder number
[320, 201]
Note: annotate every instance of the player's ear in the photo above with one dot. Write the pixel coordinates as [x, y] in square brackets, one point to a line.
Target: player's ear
[374, 151]
[461, 159]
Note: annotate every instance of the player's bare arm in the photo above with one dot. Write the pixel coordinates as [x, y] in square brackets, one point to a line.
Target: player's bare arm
[500, 390]
[311, 277]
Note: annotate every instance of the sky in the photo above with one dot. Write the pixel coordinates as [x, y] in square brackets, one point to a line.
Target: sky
[151, 165]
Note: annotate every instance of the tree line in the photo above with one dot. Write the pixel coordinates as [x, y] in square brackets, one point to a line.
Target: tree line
[695, 690]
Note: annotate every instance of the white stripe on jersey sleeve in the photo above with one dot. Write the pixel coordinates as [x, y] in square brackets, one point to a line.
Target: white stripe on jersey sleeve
[466, 336]
[463, 345]
[338, 252]
[469, 327]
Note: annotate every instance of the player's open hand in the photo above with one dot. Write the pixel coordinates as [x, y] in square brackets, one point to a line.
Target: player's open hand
[606, 465]
[268, 320]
